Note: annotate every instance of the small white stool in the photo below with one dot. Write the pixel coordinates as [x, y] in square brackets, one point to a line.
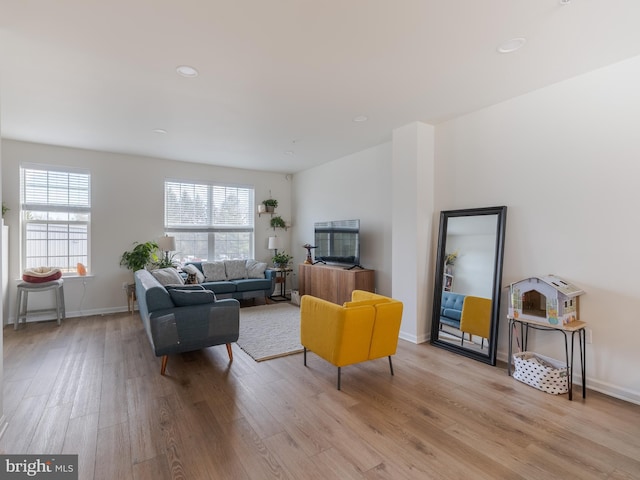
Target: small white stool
[24, 288]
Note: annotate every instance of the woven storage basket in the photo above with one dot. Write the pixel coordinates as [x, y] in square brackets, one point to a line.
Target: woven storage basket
[295, 297]
[543, 373]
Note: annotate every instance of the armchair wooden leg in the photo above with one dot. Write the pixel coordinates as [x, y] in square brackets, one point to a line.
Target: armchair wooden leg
[390, 365]
[165, 359]
[230, 352]
[338, 378]
[305, 356]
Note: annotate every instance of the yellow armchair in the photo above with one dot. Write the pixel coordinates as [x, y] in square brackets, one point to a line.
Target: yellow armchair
[475, 318]
[363, 329]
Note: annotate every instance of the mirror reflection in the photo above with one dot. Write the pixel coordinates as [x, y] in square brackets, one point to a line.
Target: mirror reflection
[467, 286]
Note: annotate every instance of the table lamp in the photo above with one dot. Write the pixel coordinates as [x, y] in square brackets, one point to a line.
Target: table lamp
[275, 243]
[167, 244]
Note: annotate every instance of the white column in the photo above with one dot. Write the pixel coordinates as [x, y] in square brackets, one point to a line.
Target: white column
[412, 226]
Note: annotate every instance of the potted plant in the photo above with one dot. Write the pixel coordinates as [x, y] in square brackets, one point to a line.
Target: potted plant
[166, 261]
[278, 222]
[449, 261]
[143, 254]
[270, 204]
[281, 260]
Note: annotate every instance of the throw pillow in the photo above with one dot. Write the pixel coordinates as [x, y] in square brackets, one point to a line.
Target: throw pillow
[255, 269]
[214, 271]
[192, 269]
[168, 276]
[184, 298]
[235, 269]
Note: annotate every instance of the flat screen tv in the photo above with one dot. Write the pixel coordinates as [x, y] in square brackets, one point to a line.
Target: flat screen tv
[338, 242]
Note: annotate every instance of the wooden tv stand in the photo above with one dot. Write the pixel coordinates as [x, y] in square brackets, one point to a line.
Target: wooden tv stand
[334, 283]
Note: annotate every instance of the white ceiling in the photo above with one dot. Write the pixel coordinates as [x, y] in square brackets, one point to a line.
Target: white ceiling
[282, 75]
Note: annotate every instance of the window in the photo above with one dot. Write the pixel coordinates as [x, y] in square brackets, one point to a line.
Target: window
[55, 213]
[209, 221]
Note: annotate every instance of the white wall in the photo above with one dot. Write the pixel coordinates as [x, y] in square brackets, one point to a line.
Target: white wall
[565, 160]
[127, 206]
[356, 186]
[3, 421]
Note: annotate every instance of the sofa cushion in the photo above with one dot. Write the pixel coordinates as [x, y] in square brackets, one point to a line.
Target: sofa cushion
[192, 269]
[214, 271]
[235, 269]
[451, 313]
[183, 298]
[255, 269]
[186, 286]
[452, 300]
[220, 287]
[250, 284]
[167, 276]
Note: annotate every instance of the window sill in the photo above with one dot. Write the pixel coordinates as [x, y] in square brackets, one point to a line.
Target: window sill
[72, 277]
[75, 276]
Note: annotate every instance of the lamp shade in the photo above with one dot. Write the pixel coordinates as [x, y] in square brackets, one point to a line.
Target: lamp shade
[275, 243]
[167, 243]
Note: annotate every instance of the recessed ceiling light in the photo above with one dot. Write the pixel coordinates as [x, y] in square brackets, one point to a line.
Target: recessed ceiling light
[187, 71]
[565, 2]
[512, 45]
[160, 131]
[360, 118]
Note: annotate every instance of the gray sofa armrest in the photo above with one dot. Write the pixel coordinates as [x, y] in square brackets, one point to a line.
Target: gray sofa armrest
[271, 275]
[182, 329]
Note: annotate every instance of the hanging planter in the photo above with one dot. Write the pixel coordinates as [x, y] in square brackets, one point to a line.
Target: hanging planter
[278, 222]
[270, 205]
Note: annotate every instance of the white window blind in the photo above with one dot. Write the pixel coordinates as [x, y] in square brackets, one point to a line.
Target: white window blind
[55, 205]
[210, 221]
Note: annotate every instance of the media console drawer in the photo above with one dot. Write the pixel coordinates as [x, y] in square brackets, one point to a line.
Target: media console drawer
[334, 283]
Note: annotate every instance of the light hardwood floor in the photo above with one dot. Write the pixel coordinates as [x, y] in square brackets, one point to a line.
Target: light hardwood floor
[92, 387]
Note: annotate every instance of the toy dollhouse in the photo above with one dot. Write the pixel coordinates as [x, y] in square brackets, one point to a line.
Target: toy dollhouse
[547, 299]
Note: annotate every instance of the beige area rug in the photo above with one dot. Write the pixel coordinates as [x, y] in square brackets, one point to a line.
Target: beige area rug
[270, 331]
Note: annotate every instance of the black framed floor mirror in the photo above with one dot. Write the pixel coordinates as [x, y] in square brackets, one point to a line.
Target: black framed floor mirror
[467, 286]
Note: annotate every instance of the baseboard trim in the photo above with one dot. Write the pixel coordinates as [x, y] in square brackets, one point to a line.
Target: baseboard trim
[596, 385]
[413, 338]
[80, 313]
[611, 390]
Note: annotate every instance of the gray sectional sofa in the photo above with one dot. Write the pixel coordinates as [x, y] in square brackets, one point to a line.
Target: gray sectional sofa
[182, 318]
[225, 286]
[451, 309]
